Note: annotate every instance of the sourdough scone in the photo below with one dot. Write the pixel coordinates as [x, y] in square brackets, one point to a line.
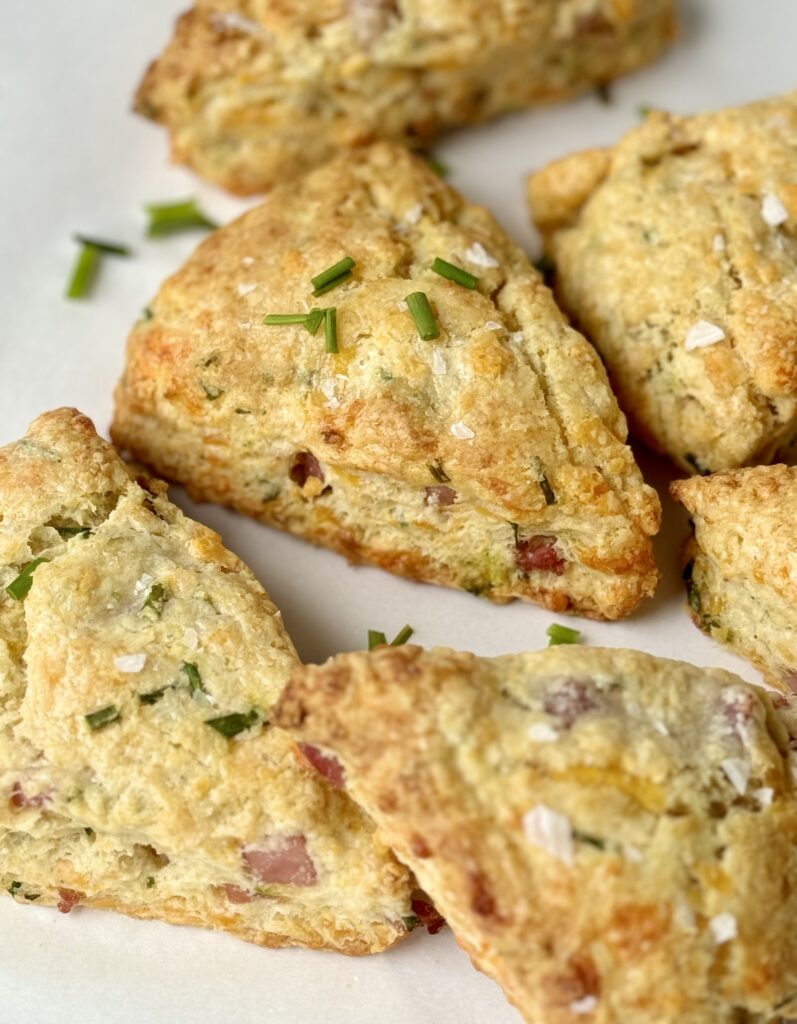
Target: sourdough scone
[676, 253]
[139, 661]
[254, 92]
[491, 458]
[611, 836]
[741, 564]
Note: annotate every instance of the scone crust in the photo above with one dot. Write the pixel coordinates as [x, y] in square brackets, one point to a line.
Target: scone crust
[687, 219]
[741, 564]
[139, 611]
[507, 402]
[254, 93]
[660, 891]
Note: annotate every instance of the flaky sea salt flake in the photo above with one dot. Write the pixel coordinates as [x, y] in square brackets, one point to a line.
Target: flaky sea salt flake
[130, 662]
[476, 253]
[703, 334]
[463, 432]
[550, 831]
[724, 928]
[773, 211]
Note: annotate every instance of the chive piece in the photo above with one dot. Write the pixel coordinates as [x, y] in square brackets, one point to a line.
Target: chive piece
[437, 471]
[423, 316]
[333, 275]
[331, 329]
[515, 531]
[112, 248]
[439, 168]
[231, 725]
[546, 266]
[156, 598]
[14, 888]
[543, 481]
[643, 110]
[32, 896]
[562, 635]
[313, 321]
[585, 837]
[18, 588]
[150, 882]
[99, 719]
[211, 391]
[454, 273]
[195, 683]
[402, 637]
[67, 532]
[89, 832]
[604, 92]
[167, 218]
[146, 314]
[411, 922]
[375, 638]
[84, 273]
[152, 697]
[276, 319]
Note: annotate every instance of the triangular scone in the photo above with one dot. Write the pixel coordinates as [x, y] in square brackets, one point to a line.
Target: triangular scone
[138, 770]
[676, 254]
[611, 836]
[254, 92]
[491, 458]
[741, 564]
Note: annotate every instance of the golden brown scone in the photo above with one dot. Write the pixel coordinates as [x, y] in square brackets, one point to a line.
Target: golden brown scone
[254, 92]
[676, 254]
[415, 455]
[741, 564]
[611, 836]
[138, 769]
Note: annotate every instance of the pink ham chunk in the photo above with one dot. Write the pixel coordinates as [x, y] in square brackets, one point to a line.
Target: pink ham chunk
[325, 764]
[440, 496]
[237, 895]
[539, 553]
[20, 799]
[281, 861]
[68, 899]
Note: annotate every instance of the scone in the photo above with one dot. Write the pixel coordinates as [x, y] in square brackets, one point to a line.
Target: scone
[254, 92]
[139, 771]
[741, 564]
[489, 455]
[676, 254]
[611, 836]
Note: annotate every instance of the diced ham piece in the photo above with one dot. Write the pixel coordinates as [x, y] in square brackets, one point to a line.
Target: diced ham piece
[325, 764]
[237, 895]
[440, 496]
[539, 553]
[282, 861]
[305, 465]
[571, 700]
[68, 899]
[20, 799]
[427, 914]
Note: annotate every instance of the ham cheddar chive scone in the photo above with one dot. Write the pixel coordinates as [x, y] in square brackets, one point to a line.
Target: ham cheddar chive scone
[741, 564]
[254, 92]
[369, 362]
[139, 772]
[611, 836]
[676, 253]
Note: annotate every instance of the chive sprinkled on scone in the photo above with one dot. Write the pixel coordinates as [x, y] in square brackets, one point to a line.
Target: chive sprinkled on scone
[421, 311]
[454, 273]
[104, 716]
[333, 276]
[233, 724]
[20, 587]
[331, 329]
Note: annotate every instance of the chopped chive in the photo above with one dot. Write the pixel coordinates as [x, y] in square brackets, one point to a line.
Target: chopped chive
[146, 314]
[195, 683]
[112, 248]
[562, 635]
[156, 598]
[375, 638]
[211, 391]
[276, 319]
[14, 888]
[89, 832]
[437, 471]
[167, 218]
[231, 725]
[545, 265]
[150, 882]
[333, 275]
[18, 588]
[32, 896]
[99, 719]
[153, 696]
[402, 636]
[66, 532]
[543, 481]
[411, 922]
[313, 321]
[439, 168]
[454, 273]
[331, 329]
[423, 316]
[515, 531]
[643, 110]
[84, 272]
[585, 837]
